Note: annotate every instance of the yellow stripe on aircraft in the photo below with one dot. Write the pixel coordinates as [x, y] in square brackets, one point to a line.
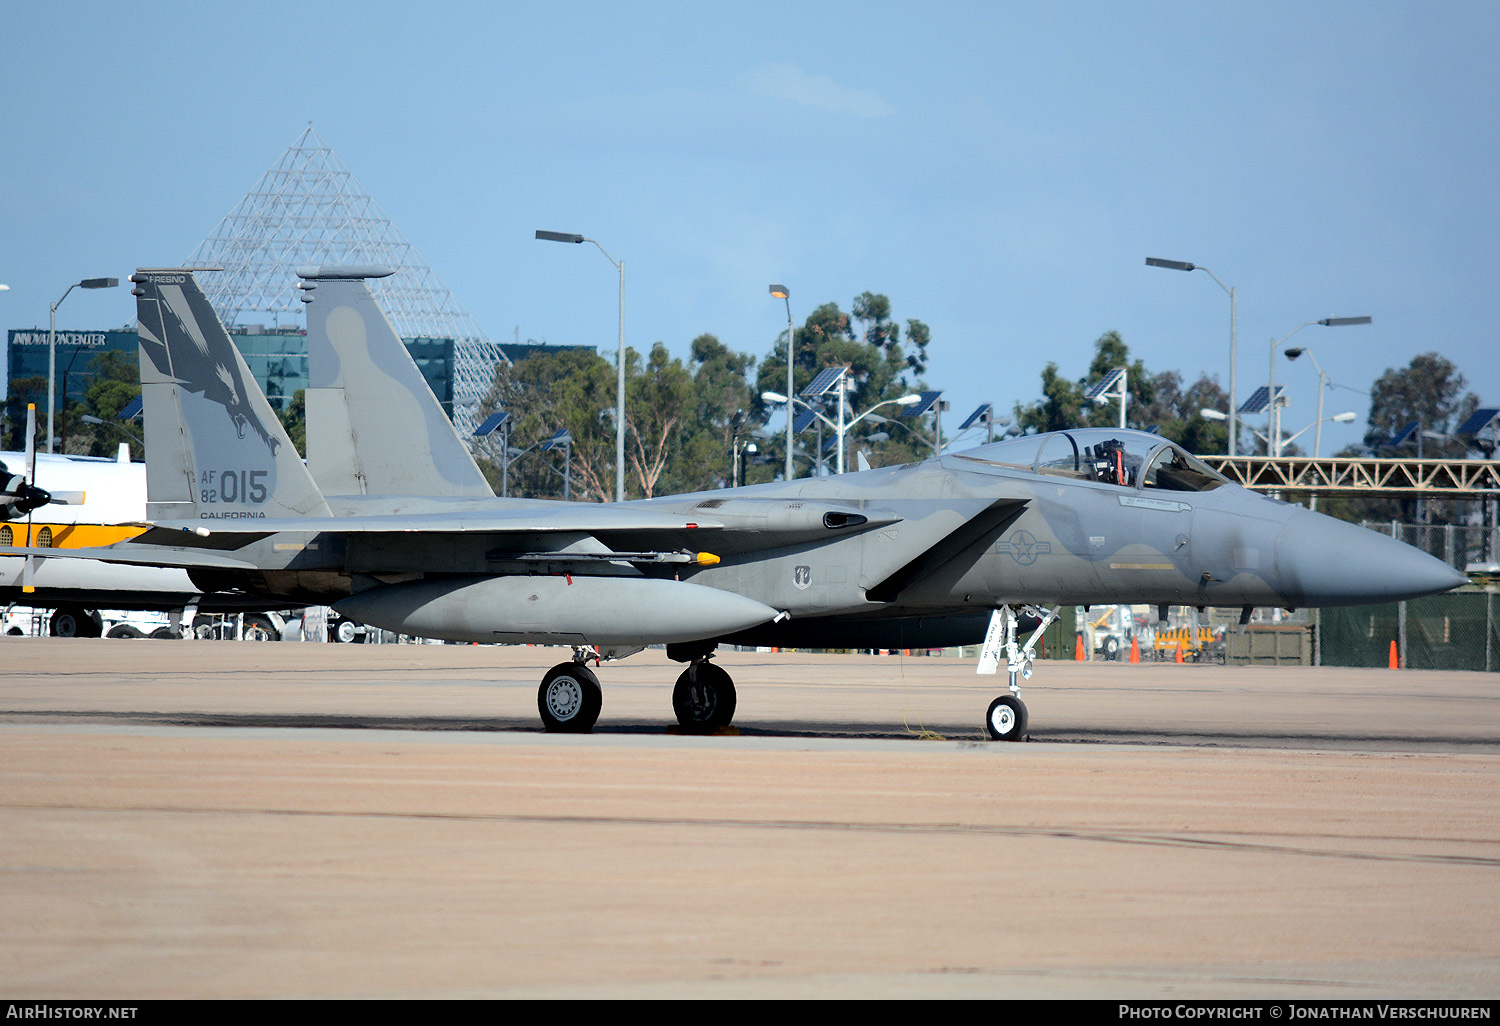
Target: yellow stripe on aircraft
[65, 536]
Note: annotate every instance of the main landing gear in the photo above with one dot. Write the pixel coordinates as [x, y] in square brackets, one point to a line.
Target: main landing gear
[704, 699]
[569, 698]
[1006, 718]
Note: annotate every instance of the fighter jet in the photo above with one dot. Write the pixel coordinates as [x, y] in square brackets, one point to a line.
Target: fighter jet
[950, 550]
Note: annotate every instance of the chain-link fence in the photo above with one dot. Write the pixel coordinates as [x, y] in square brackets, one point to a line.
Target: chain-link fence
[1457, 631]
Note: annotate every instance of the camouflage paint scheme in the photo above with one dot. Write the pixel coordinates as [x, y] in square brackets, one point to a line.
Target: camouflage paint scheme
[931, 552]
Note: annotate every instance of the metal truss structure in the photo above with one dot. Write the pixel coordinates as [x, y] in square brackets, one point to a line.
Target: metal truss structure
[1425, 478]
[309, 209]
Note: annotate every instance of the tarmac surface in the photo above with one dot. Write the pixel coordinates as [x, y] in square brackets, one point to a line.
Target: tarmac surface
[228, 820]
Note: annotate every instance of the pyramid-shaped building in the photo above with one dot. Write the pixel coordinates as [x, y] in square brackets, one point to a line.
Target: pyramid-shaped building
[309, 209]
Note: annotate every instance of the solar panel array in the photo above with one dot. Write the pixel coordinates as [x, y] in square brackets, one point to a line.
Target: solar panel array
[1260, 399]
[985, 413]
[1106, 384]
[825, 381]
[492, 423]
[922, 406]
[1478, 422]
[1404, 434]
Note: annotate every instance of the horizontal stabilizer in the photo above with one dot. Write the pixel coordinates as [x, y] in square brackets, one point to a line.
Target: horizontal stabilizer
[128, 554]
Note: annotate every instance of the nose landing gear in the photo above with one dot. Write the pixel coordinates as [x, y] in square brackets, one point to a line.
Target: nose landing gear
[1006, 718]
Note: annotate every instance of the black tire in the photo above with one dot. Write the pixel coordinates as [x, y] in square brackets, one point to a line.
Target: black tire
[165, 633]
[1006, 719]
[74, 622]
[569, 699]
[704, 698]
[1111, 648]
[345, 632]
[125, 630]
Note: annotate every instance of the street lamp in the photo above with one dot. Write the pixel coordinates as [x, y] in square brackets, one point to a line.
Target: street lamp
[1178, 265]
[1274, 410]
[89, 418]
[1208, 413]
[87, 283]
[620, 359]
[1292, 354]
[842, 428]
[780, 292]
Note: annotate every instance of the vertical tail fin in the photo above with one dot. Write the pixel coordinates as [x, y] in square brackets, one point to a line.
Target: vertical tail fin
[214, 448]
[373, 425]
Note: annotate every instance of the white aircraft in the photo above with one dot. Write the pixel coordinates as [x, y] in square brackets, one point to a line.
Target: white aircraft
[107, 504]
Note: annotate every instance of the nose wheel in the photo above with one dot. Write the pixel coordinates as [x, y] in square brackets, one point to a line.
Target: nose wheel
[1006, 719]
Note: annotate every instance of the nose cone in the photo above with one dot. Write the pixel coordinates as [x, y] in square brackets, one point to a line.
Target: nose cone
[1326, 562]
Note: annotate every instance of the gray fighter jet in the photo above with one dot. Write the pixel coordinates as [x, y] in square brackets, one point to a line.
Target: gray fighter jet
[957, 549]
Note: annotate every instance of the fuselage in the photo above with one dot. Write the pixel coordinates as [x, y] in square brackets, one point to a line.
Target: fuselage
[923, 550]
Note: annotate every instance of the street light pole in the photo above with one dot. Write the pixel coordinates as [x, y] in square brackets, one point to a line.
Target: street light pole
[1273, 415]
[87, 283]
[1179, 265]
[1292, 354]
[780, 292]
[619, 361]
[841, 428]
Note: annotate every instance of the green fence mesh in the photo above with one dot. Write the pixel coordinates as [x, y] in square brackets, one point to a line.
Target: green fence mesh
[1457, 631]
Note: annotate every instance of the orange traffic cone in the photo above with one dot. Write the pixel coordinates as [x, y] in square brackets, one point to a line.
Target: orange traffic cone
[1395, 657]
[1078, 650]
[1178, 658]
[1135, 650]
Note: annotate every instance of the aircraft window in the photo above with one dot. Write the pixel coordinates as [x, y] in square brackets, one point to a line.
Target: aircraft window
[44, 538]
[7, 539]
[1173, 470]
[1112, 456]
[1018, 453]
[1060, 455]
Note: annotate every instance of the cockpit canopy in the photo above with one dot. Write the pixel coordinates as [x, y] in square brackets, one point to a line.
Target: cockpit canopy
[1129, 459]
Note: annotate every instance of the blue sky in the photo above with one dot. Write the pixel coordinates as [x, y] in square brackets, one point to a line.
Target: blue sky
[999, 170]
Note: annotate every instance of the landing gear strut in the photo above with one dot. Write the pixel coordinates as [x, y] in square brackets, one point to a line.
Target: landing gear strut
[704, 698]
[569, 699]
[1006, 718]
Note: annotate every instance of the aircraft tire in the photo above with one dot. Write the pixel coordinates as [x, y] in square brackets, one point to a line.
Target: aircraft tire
[569, 699]
[165, 633]
[1006, 719]
[125, 630]
[704, 698]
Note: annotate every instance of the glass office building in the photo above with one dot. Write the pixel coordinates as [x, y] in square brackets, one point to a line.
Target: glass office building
[277, 357]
